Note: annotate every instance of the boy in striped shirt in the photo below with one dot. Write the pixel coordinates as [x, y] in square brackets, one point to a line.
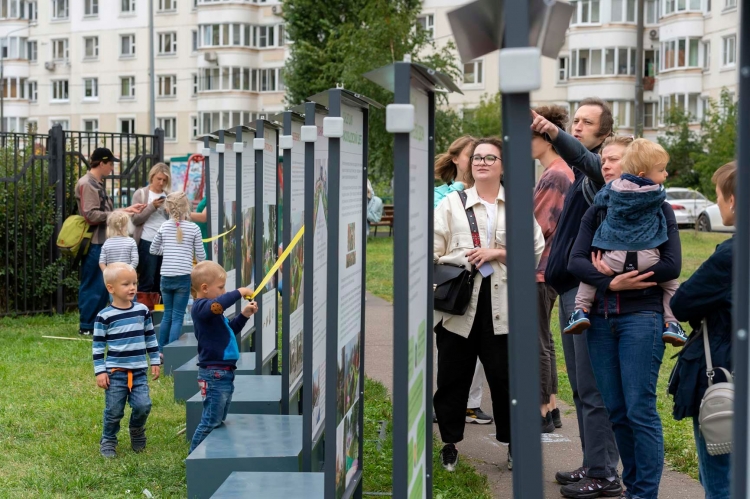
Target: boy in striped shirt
[126, 331]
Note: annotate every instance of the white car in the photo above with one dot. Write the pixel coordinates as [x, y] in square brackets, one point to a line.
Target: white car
[710, 221]
[687, 204]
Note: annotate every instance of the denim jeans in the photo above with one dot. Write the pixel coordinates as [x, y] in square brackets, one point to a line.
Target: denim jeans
[626, 353]
[714, 471]
[92, 294]
[217, 386]
[148, 268]
[117, 395]
[175, 293]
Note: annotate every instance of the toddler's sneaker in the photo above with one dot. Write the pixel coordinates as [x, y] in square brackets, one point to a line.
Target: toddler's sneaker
[107, 448]
[674, 334]
[578, 322]
[138, 438]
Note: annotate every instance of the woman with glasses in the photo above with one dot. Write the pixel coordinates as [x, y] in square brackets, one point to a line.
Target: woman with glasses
[482, 331]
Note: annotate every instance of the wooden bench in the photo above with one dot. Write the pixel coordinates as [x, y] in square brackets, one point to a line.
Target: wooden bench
[385, 221]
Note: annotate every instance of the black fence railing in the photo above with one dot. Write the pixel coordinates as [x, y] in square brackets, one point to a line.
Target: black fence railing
[38, 173]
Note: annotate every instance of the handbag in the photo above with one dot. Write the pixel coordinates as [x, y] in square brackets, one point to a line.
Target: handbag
[717, 407]
[454, 284]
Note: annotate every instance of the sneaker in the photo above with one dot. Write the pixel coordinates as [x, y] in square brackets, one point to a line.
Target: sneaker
[590, 487]
[476, 416]
[578, 322]
[107, 449]
[548, 426]
[449, 457]
[566, 477]
[556, 418]
[510, 461]
[674, 334]
[86, 332]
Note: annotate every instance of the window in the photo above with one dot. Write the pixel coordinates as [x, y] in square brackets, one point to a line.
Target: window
[127, 87]
[32, 51]
[649, 113]
[193, 127]
[13, 47]
[59, 9]
[676, 6]
[127, 125]
[168, 43]
[127, 6]
[266, 80]
[14, 88]
[689, 103]
[167, 5]
[195, 40]
[652, 11]
[127, 45]
[32, 11]
[32, 91]
[729, 57]
[708, 6]
[60, 49]
[167, 86]
[169, 125]
[623, 11]
[64, 124]
[59, 90]
[90, 8]
[585, 11]
[707, 55]
[474, 73]
[265, 36]
[195, 85]
[91, 47]
[91, 125]
[562, 69]
[14, 124]
[680, 53]
[730, 4]
[90, 88]
[427, 22]
[596, 62]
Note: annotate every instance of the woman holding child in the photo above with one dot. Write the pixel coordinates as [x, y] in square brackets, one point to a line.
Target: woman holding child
[635, 228]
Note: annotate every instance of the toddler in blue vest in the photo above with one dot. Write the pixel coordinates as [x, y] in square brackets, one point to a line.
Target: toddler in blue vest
[218, 351]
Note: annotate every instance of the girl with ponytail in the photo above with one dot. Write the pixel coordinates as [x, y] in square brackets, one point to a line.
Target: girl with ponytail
[179, 242]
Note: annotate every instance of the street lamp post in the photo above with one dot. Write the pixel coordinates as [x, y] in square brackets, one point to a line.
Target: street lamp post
[2, 75]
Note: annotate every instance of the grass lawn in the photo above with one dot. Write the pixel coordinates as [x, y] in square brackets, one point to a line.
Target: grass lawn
[679, 445]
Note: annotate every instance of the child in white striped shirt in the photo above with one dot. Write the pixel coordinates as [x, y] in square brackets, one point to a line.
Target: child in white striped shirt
[119, 246]
[179, 242]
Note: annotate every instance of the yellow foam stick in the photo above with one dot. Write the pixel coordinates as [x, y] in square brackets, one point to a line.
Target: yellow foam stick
[214, 238]
[278, 263]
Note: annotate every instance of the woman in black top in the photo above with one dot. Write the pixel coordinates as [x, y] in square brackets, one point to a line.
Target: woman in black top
[707, 295]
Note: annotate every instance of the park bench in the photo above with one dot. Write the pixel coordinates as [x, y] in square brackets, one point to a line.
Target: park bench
[385, 221]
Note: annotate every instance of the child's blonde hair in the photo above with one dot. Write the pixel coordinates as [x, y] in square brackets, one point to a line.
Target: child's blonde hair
[113, 270]
[178, 207]
[643, 156]
[206, 272]
[117, 224]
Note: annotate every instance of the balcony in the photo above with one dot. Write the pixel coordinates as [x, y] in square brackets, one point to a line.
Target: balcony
[648, 83]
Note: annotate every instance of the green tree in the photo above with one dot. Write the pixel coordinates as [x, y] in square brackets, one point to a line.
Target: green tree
[485, 119]
[336, 42]
[718, 140]
[683, 146]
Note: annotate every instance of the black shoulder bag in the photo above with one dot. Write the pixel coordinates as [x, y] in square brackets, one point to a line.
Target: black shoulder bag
[454, 284]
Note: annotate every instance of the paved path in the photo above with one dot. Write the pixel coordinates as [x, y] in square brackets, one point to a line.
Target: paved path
[561, 449]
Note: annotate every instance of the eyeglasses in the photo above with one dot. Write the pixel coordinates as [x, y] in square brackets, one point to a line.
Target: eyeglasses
[489, 160]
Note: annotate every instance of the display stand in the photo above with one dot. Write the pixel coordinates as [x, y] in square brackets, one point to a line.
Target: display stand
[411, 118]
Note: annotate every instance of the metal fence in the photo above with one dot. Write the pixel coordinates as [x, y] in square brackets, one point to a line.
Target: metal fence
[38, 174]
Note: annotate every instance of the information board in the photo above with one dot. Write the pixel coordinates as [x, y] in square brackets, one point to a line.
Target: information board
[295, 261]
[229, 240]
[246, 224]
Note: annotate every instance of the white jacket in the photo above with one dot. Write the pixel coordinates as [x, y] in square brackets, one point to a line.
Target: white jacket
[453, 240]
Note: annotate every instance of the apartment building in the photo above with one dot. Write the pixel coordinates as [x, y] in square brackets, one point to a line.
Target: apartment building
[690, 54]
[84, 64]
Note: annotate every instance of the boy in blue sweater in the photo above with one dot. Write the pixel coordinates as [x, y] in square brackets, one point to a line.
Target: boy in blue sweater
[126, 332]
[217, 346]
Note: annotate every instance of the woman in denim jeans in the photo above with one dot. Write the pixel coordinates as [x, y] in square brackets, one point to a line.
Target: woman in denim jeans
[180, 243]
[707, 295]
[625, 339]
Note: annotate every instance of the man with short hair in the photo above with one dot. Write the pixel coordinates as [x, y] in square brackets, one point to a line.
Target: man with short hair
[95, 205]
[592, 124]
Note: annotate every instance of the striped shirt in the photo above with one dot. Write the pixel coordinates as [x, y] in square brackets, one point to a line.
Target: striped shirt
[128, 337]
[119, 249]
[178, 257]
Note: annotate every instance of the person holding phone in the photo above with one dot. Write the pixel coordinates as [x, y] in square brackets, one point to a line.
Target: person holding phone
[148, 222]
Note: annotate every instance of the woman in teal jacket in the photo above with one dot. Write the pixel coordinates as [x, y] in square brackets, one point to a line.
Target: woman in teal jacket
[454, 168]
